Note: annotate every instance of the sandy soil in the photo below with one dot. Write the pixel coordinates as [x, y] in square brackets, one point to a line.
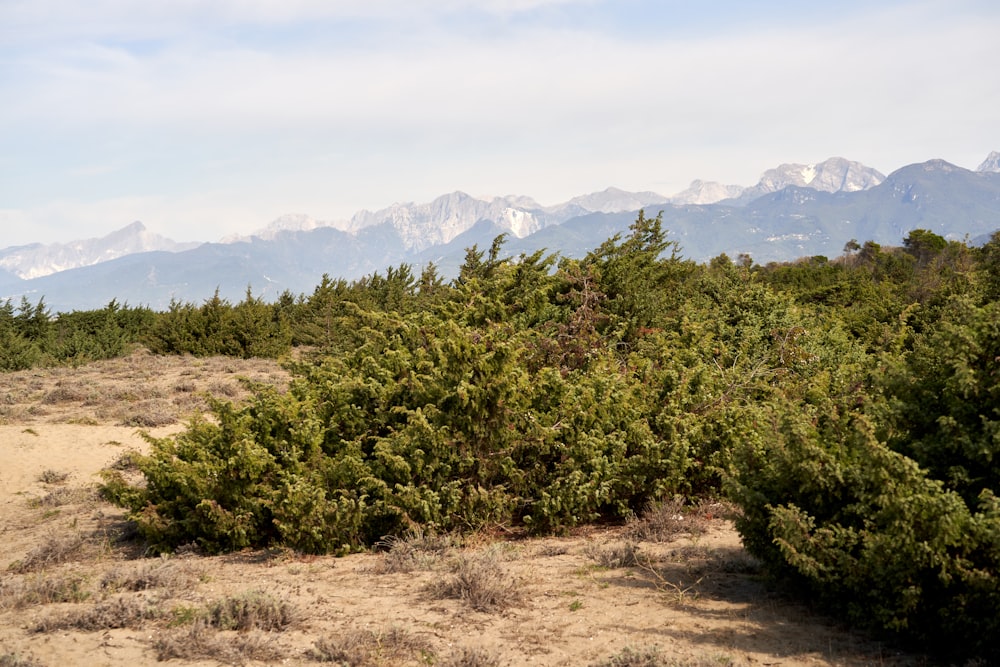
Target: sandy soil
[674, 588]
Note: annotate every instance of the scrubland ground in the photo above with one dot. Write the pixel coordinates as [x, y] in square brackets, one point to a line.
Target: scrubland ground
[673, 587]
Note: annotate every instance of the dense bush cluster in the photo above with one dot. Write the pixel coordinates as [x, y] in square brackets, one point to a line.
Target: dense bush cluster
[850, 407]
[249, 329]
[31, 336]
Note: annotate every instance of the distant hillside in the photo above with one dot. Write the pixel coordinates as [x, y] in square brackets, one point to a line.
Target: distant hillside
[792, 222]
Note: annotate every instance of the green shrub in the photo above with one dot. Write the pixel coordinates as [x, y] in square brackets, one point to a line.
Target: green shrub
[869, 535]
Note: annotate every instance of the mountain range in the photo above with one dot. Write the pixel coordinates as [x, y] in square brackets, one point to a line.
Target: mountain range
[794, 210]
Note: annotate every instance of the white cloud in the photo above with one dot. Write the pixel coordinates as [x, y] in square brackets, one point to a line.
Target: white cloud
[531, 109]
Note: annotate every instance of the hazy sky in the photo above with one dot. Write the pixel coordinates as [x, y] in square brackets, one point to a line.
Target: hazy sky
[206, 118]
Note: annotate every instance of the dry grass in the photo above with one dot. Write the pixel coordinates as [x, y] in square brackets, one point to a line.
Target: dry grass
[665, 521]
[635, 657]
[65, 496]
[51, 476]
[468, 656]
[168, 575]
[126, 461]
[358, 648]
[650, 656]
[202, 642]
[38, 589]
[150, 413]
[55, 549]
[253, 610]
[141, 390]
[118, 612]
[614, 556]
[415, 551]
[480, 581]
[17, 660]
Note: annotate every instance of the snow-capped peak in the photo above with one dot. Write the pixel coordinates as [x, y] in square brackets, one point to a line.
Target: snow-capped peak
[37, 260]
[293, 222]
[991, 163]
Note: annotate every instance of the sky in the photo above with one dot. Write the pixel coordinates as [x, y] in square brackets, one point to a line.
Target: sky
[205, 119]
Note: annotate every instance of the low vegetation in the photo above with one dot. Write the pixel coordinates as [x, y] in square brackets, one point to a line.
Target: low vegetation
[845, 410]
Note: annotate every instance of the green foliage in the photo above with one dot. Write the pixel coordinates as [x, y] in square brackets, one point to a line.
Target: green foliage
[867, 533]
[33, 337]
[848, 405]
[638, 279]
[988, 262]
[946, 399]
[249, 329]
[427, 422]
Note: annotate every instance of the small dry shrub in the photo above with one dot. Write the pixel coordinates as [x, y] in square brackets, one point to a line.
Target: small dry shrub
[17, 593]
[480, 581]
[733, 561]
[415, 551]
[149, 414]
[253, 610]
[552, 550]
[51, 476]
[202, 642]
[126, 461]
[364, 647]
[227, 389]
[119, 612]
[65, 393]
[17, 660]
[631, 657]
[57, 548]
[64, 496]
[699, 560]
[614, 556]
[664, 521]
[468, 656]
[137, 391]
[163, 574]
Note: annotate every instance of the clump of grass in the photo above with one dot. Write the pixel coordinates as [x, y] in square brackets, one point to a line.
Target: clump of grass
[551, 550]
[57, 548]
[363, 647]
[65, 393]
[468, 656]
[63, 496]
[17, 660]
[480, 581]
[632, 657]
[150, 414]
[614, 556]
[733, 561]
[650, 656]
[18, 593]
[202, 642]
[227, 389]
[416, 550]
[51, 476]
[127, 460]
[252, 610]
[162, 574]
[664, 521]
[119, 612]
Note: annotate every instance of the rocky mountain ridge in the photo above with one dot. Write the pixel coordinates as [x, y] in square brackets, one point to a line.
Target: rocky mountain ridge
[786, 221]
[37, 260]
[423, 226]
